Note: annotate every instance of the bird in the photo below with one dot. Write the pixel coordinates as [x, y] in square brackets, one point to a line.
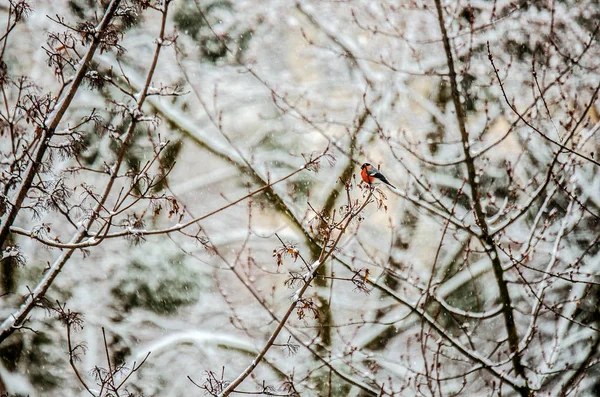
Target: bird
[372, 175]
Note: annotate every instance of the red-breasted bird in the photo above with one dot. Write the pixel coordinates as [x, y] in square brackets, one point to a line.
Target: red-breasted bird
[372, 175]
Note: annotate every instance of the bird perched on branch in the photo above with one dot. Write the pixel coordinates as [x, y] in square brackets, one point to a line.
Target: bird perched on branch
[371, 175]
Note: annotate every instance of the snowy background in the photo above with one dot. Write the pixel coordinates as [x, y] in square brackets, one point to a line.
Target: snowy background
[262, 85]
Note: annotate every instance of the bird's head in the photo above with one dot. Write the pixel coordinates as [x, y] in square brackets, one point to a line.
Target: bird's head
[365, 165]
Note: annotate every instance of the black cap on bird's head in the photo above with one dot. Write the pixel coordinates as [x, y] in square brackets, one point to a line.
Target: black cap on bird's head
[365, 165]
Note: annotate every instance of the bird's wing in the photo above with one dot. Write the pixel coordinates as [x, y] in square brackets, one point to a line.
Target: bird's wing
[379, 175]
[373, 172]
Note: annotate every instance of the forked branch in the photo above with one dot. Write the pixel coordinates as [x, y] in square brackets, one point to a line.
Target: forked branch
[326, 252]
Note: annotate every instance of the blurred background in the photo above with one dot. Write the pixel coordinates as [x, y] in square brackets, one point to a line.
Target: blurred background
[244, 93]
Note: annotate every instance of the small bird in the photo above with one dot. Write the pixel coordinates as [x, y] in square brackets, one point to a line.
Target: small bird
[371, 175]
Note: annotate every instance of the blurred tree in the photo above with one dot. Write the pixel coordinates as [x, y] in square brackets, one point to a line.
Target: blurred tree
[182, 178]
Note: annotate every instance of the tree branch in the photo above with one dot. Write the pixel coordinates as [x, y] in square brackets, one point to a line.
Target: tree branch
[485, 237]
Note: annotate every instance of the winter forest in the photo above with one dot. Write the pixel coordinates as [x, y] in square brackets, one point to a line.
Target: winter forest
[183, 213]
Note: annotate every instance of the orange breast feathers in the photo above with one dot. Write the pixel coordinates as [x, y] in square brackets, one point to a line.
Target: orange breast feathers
[366, 177]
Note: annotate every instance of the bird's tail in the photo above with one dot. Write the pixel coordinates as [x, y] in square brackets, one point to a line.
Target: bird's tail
[384, 180]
